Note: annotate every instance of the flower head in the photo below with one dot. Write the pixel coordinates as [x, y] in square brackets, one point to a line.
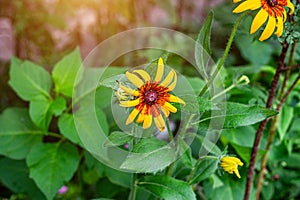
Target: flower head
[152, 97]
[230, 164]
[271, 11]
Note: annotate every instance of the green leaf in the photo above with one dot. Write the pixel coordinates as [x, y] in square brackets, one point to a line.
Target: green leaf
[67, 128]
[65, 73]
[285, 119]
[39, 111]
[51, 165]
[202, 48]
[17, 133]
[14, 174]
[232, 115]
[167, 187]
[29, 80]
[149, 155]
[118, 138]
[185, 153]
[58, 106]
[206, 167]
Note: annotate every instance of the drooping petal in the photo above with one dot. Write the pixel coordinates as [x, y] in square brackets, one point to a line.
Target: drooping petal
[290, 6]
[173, 84]
[279, 26]
[129, 90]
[134, 79]
[271, 24]
[147, 121]
[141, 116]
[284, 15]
[143, 74]
[247, 5]
[235, 1]
[130, 103]
[236, 171]
[165, 111]
[175, 99]
[132, 116]
[259, 20]
[168, 79]
[170, 107]
[160, 70]
[160, 123]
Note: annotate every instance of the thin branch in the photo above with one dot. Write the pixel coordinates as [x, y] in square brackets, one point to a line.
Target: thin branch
[262, 125]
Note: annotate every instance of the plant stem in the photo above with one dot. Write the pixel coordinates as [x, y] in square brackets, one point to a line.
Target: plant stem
[220, 64]
[170, 168]
[134, 175]
[262, 125]
[196, 164]
[273, 127]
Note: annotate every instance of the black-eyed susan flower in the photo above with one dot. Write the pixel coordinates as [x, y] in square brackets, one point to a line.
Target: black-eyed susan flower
[230, 164]
[272, 12]
[152, 98]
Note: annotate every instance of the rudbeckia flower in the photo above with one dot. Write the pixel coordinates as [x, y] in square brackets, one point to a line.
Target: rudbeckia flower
[152, 98]
[272, 12]
[230, 164]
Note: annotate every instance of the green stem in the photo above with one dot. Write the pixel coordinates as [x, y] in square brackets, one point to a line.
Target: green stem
[220, 64]
[134, 175]
[195, 167]
[170, 168]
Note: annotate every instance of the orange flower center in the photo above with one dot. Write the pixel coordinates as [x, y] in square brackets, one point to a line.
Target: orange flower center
[272, 2]
[274, 7]
[150, 97]
[153, 93]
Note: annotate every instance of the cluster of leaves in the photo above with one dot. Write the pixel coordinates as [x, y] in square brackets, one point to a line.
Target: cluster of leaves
[42, 151]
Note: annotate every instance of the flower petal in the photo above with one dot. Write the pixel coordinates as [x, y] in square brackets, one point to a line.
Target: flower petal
[129, 90]
[290, 6]
[236, 171]
[168, 79]
[141, 116]
[235, 1]
[279, 26]
[129, 103]
[170, 107]
[143, 74]
[247, 5]
[259, 20]
[147, 121]
[160, 123]
[175, 99]
[134, 79]
[165, 111]
[160, 70]
[132, 116]
[269, 29]
[173, 84]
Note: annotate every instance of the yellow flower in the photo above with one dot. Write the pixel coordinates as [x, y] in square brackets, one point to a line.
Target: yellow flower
[152, 97]
[230, 164]
[271, 11]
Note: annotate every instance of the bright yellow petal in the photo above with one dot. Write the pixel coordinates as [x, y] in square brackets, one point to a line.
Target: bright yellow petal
[247, 5]
[175, 99]
[279, 26]
[134, 79]
[269, 29]
[129, 103]
[259, 20]
[132, 116]
[165, 111]
[160, 70]
[168, 79]
[236, 171]
[147, 121]
[173, 84]
[143, 74]
[284, 15]
[169, 107]
[129, 90]
[160, 123]
[291, 7]
[235, 1]
[141, 116]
